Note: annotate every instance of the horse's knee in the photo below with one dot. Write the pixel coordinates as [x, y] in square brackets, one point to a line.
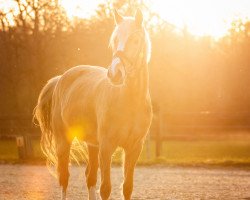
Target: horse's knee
[105, 191]
[91, 180]
[92, 167]
[105, 153]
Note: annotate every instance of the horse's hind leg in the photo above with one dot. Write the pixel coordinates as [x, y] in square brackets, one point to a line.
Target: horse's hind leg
[91, 171]
[63, 151]
[131, 157]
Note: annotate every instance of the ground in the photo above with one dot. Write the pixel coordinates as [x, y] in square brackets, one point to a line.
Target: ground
[151, 182]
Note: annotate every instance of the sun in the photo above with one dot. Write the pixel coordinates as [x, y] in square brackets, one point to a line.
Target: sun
[80, 8]
[202, 17]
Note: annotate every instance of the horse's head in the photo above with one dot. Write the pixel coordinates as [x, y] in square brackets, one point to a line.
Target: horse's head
[130, 46]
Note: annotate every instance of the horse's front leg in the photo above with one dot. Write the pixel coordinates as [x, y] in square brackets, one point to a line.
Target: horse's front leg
[131, 156]
[106, 150]
[91, 171]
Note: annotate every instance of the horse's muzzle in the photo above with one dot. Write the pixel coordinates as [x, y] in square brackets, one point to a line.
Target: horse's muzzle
[116, 73]
[115, 78]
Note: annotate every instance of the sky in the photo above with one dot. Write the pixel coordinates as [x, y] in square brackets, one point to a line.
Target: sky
[201, 17]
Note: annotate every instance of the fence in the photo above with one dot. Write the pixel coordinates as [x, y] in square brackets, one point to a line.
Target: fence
[189, 127]
[21, 128]
[184, 126]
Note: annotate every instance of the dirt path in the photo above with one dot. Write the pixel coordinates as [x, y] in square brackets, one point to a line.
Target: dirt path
[34, 182]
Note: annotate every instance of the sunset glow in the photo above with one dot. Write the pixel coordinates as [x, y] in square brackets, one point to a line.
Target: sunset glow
[149, 95]
[200, 17]
[80, 8]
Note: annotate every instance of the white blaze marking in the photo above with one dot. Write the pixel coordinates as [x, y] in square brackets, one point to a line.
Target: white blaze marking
[120, 46]
[113, 65]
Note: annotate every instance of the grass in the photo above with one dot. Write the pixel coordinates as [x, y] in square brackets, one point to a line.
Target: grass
[8, 150]
[228, 152]
[203, 152]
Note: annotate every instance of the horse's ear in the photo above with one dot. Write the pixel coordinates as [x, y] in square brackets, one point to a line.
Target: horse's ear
[138, 17]
[117, 17]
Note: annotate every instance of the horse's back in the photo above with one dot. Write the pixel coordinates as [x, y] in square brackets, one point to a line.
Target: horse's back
[83, 73]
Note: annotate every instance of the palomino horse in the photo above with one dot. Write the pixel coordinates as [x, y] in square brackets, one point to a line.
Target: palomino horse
[106, 108]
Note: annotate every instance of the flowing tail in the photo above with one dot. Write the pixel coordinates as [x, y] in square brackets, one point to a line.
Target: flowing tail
[42, 113]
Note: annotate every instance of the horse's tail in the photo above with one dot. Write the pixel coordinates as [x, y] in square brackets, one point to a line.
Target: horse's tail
[42, 113]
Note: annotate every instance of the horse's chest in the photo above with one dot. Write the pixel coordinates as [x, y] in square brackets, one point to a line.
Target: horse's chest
[134, 118]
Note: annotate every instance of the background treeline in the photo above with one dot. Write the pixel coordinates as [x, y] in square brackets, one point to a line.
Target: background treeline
[195, 81]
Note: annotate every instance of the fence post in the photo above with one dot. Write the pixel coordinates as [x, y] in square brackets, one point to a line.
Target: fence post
[158, 142]
[28, 146]
[24, 147]
[148, 154]
[158, 139]
[20, 147]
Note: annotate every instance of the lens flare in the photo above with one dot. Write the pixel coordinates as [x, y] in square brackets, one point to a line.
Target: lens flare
[77, 131]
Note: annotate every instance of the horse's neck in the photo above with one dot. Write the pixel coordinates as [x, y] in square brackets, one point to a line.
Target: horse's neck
[137, 87]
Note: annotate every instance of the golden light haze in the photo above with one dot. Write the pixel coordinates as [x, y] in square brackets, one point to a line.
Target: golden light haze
[200, 17]
[80, 8]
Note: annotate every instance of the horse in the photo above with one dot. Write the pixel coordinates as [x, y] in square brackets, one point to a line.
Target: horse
[104, 108]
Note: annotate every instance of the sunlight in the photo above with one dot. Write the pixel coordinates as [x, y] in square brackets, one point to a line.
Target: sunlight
[76, 131]
[201, 17]
[6, 7]
[80, 8]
